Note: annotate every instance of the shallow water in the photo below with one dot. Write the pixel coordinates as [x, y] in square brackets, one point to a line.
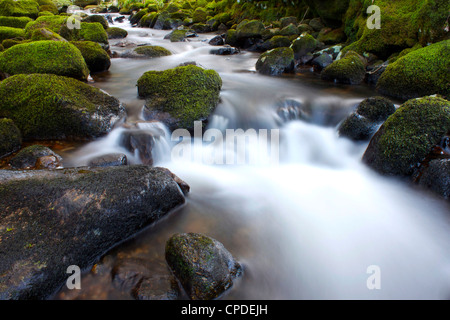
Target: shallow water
[306, 224]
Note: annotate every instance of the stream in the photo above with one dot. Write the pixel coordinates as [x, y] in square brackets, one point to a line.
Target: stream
[310, 225]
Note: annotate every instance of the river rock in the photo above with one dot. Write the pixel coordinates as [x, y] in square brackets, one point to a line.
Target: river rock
[180, 96]
[350, 69]
[408, 136]
[59, 218]
[109, 160]
[140, 141]
[419, 73]
[10, 137]
[303, 45]
[36, 157]
[45, 106]
[322, 61]
[202, 265]
[217, 41]
[436, 177]
[276, 62]
[159, 287]
[225, 51]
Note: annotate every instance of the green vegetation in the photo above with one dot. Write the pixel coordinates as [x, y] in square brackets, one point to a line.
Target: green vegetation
[421, 72]
[55, 57]
[152, 51]
[408, 136]
[19, 8]
[10, 137]
[97, 59]
[276, 61]
[11, 33]
[187, 93]
[45, 106]
[116, 33]
[348, 70]
[14, 22]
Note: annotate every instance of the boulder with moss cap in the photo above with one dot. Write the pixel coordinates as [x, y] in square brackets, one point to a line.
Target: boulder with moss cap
[180, 96]
[46, 107]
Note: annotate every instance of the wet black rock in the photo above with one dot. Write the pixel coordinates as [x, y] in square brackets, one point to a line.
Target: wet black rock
[436, 177]
[203, 266]
[30, 158]
[109, 160]
[322, 61]
[217, 41]
[58, 218]
[225, 51]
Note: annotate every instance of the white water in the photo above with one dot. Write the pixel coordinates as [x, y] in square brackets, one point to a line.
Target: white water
[310, 226]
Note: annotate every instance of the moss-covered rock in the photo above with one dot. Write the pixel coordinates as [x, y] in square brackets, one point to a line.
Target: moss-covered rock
[362, 124]
[8, 43]
[20, 8]
[146, 52]
[276, 61]
[348, 70]
[116, 33]
[249, 29]
[45, 106]
[93, 31]
[180, 96]
[290, 30]
[97, 59]
[55, 57]
[303, 45]
[14, 22]
[177, 35]
[45, 34]
[330, 36]
[199, 15]
[408, 136]
[403, 24]
[276, 42]
[135, 18]
[10, 137]
[202, 265]
[11, 33]
[149, 20]
[52, 8]
[53, 23]
[419, 73]
[97, 18]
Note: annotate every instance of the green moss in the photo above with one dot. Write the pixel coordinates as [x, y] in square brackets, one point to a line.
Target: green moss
[97, 59]
[403, 24]
[249, 29]
[116, 33]
[200, 15]
[20, 8]
[10, 33]
[97, 18]
[178, 35]
[138, 16]
[45, 106]
[149, 20]
[49, 8]
[276, 61]
[10, 137]
[8, 43]
[56, 57]
[93, 32]
[45, 34]
[304, 44]
[152, 51]
[53, 23]
[408, 136]
[276, 42]
[376, 108]
[348, 70]
[14, 22]
[187, 93]
[419, 73]
[45, 13]
[328, 36]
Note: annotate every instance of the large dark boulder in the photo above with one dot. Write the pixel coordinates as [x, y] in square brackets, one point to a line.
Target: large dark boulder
[408, 136]
[10, 137]
[276, 62]
[202, 265]
[58, 218]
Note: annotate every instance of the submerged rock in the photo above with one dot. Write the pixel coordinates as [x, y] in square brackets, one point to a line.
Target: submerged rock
[56, 219]
[202, 264]
[109, 160]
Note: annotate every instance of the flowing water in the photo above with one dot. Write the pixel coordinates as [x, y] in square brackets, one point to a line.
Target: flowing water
[308, 224]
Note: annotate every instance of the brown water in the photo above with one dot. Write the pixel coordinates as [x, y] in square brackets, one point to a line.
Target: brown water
[307, 227]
